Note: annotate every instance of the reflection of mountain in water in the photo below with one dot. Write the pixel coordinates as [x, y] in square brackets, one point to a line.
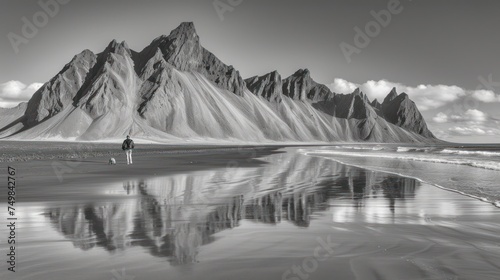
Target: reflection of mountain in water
[173, 216]
[162, 229]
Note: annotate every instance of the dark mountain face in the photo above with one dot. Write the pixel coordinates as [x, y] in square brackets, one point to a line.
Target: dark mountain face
[59, 92]
[354, 105]
[182, 50]
[391, 96]
[403, 112]
[375, 104]
[268, 86]
[300, 86]
[175, 89]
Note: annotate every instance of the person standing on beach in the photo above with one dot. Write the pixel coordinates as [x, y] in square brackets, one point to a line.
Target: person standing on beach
[128, 146]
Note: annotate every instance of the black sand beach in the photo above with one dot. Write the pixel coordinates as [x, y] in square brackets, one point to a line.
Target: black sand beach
[242, 213]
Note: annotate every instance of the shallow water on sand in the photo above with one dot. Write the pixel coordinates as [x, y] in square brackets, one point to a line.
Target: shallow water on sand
[294, 217]
[472, 170]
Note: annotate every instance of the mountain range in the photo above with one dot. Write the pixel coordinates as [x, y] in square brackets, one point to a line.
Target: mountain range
[174, 89]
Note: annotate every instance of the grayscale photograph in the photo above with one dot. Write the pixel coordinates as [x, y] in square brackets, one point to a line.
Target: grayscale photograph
[249, 139]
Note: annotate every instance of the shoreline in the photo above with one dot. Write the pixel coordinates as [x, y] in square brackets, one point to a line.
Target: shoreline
[482, 199]
[99, 158]
[35, 150]
[179, 154]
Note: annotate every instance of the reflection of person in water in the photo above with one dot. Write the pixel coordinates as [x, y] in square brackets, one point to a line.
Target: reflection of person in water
[129, 187]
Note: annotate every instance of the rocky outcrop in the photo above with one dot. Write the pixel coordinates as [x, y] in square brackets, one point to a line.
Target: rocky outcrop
[182, 50]
[268, 86]
[403, 112]
[300, 86]
[59, 92]
[115, 85]
[225, 77]
[391, 96]
[354, 105]
[375, 104]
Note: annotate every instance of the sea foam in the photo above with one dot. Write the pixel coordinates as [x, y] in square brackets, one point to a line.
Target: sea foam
[463, 152]
[491, 165]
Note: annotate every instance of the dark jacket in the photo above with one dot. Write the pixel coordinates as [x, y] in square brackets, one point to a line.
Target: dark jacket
[128, 144]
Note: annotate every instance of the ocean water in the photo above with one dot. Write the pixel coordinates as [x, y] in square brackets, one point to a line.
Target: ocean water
[472, 170]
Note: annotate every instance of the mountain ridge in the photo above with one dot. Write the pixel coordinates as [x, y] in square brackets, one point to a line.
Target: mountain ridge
[176, 89]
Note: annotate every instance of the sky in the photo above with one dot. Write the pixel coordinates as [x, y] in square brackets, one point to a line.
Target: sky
[444, 54]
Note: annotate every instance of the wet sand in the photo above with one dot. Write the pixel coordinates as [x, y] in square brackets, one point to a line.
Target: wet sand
[243, 214]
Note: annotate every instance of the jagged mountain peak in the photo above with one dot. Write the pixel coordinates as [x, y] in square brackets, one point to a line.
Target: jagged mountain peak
[354, 105]
[162, 39]
[403, 112]
[184, 29]
[391, 96]
[58, 93]
[268, 86]
[84, 54]
[303, 72]
[301, 86]
[403, 95]
[183, 36]
[79, 59]
[358, 92]
[275, 76]
[114, 45]
[272, 76]
[375, 104]
[116, 48]
[181, 48]
[298, 86]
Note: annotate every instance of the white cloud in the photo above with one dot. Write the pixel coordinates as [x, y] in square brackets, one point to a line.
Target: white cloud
[486, 96]
[470, 116]
[343, 86]
[14, 92]
[470, 131]
[426, 97]
[440, 118]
